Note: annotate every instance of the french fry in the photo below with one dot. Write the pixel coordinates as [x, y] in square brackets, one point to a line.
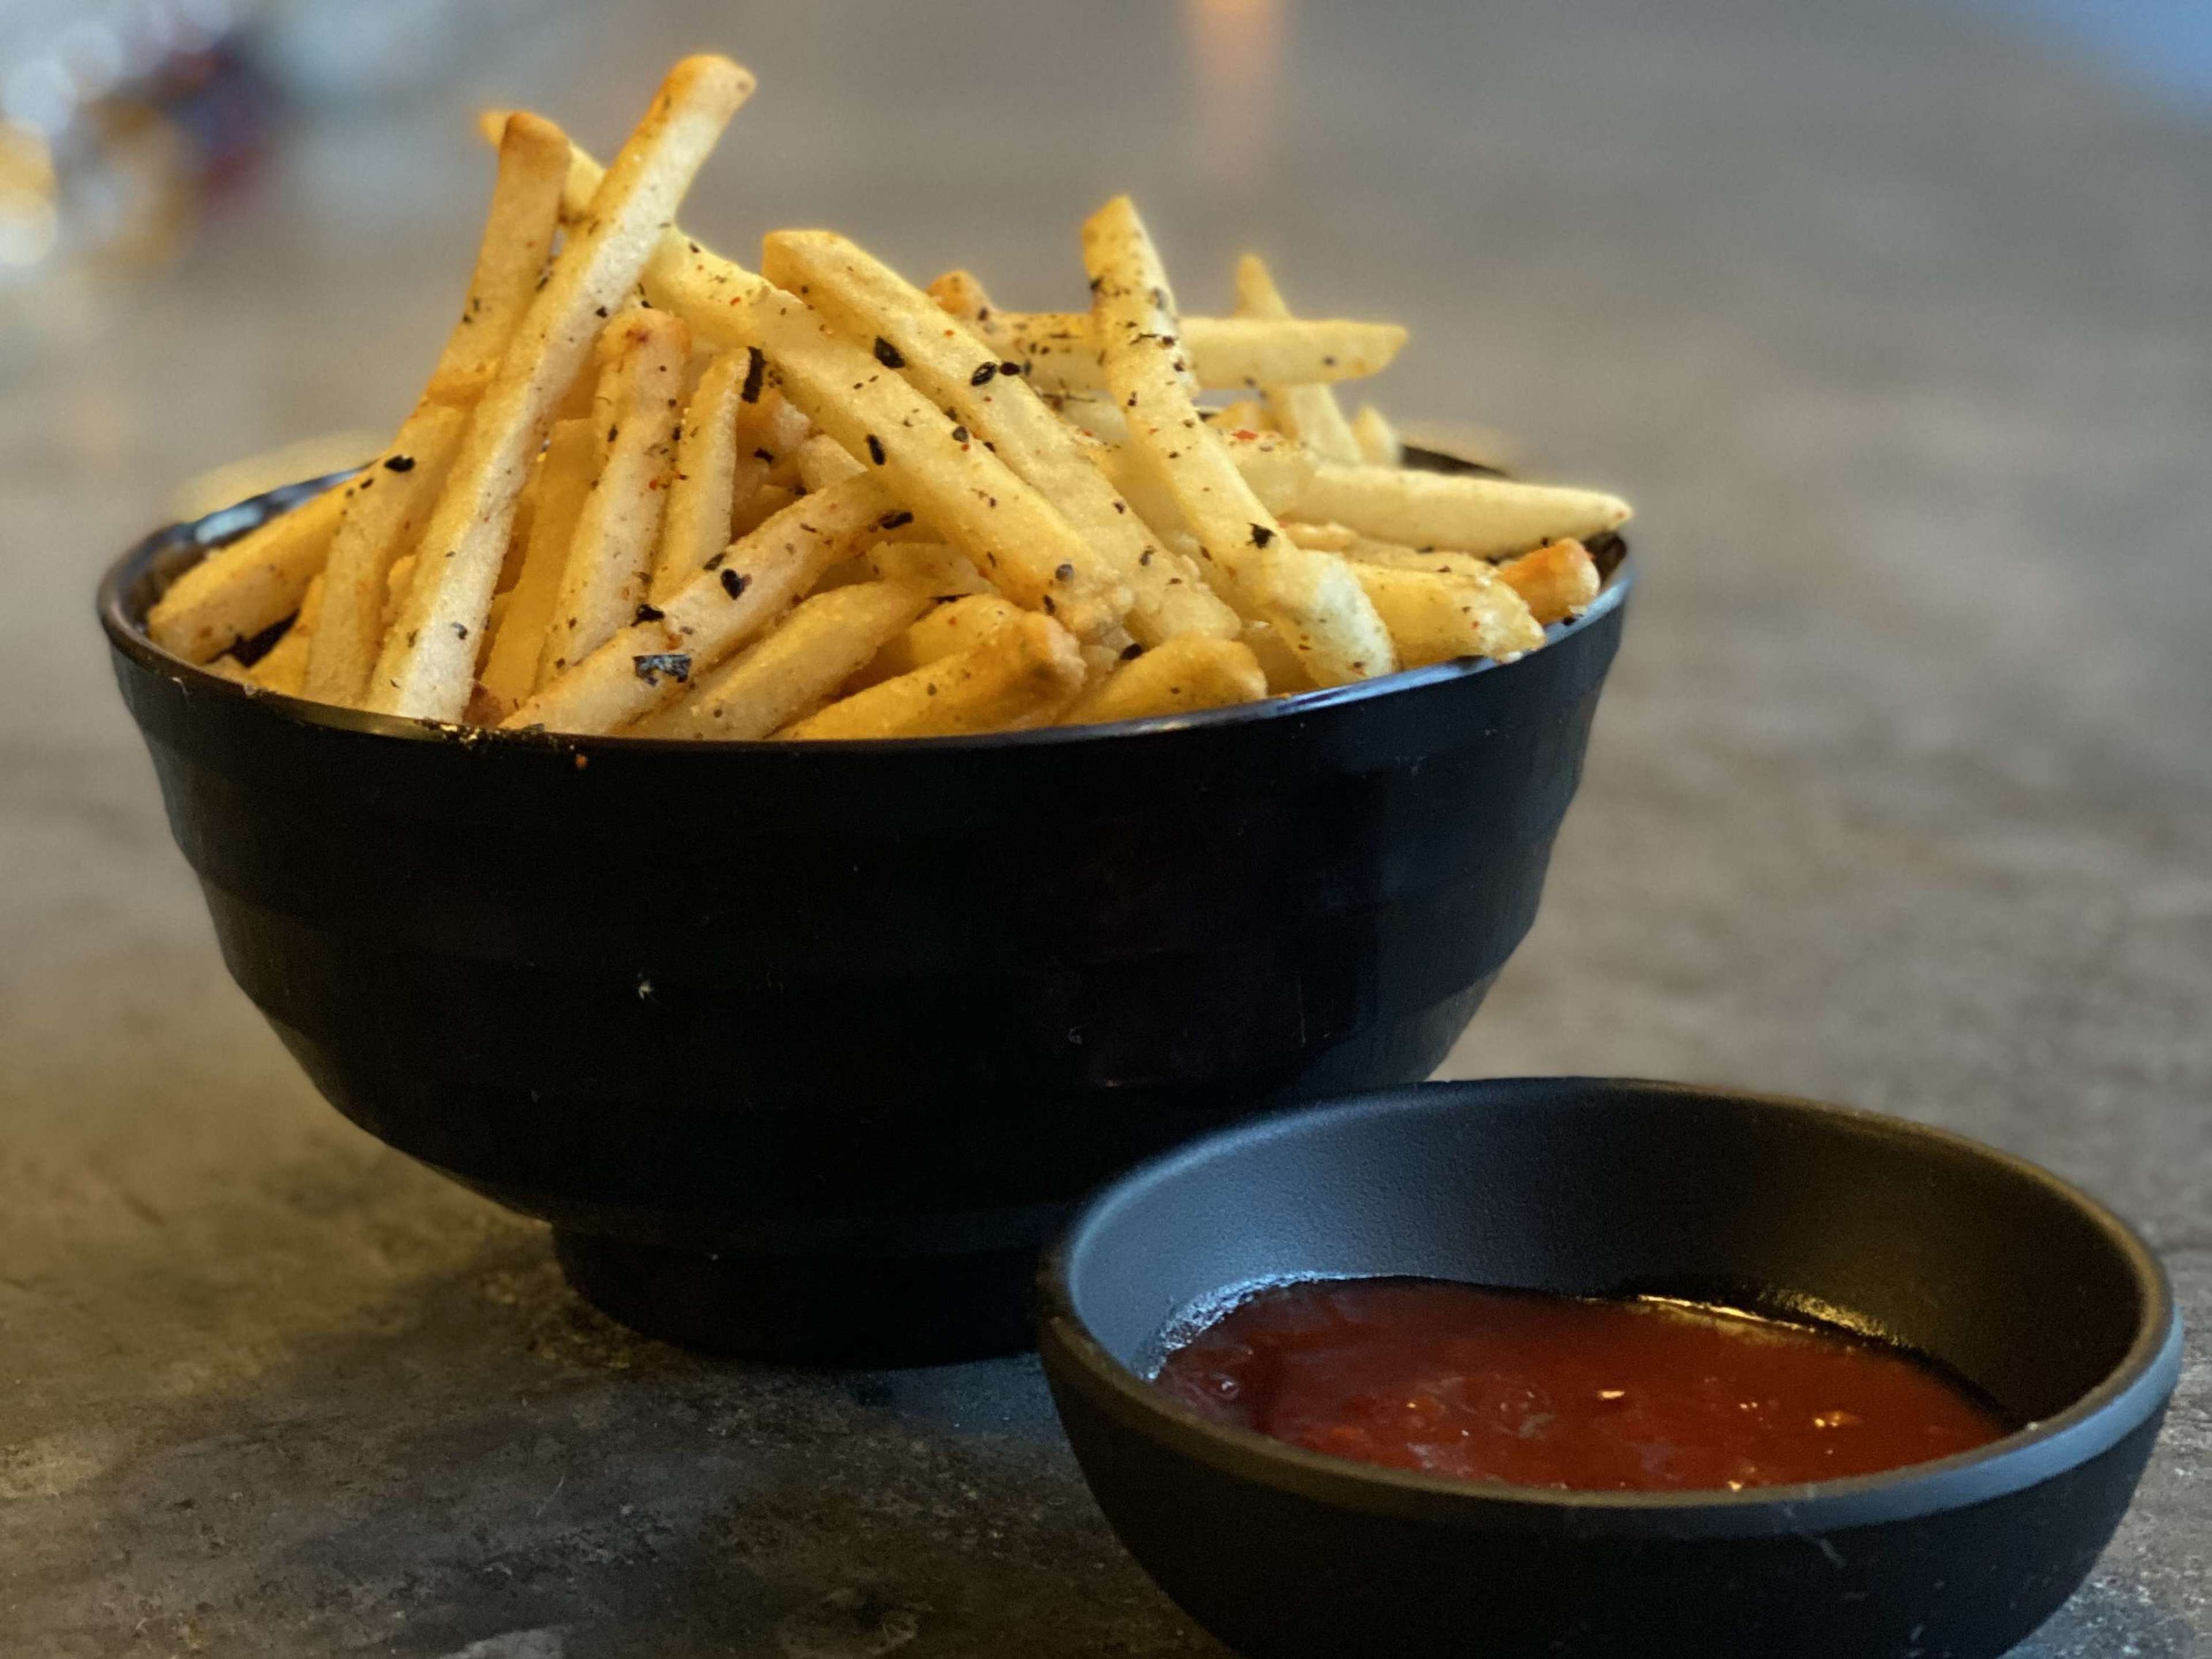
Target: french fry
[870, 302]
[739, 592]
[712, 474]
[1438, 562]
[229, 668]
[1178, 677]
[943, 632]
[1023, 675]
[1492, 517]
[1312, 599]
[1277, 469]
[961, 294]
[1247, 414]
[1284, 673]
[396, 584]
[256, 581]
[283, 665]
[944, 570]
[383, 512]
[425, 669]
[1379, 441]
[1328, 538]
[1234, 352]
[759, 507]
[570, 467]
[1436, 618]
[823, 462]
[1556, 579]
[1095, 418]
[796, 667]
[1308, 412]
[609, 561]
[931, 467]
[518, 236]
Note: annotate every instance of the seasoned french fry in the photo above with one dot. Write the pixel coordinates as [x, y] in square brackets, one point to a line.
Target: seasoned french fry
[1438, 561]
[1436, 618]
[238, 590]
[712, 474]
[518, 236]
[740, 594]
[1328, 538]
[1493, 517]
[396, 584]
[426, 667]
[1184, 675]
[822, 463]
[1235, 352]
[949, 481]
[229, 668]
[799, 664]
[283, 665]
[944, 570]
[961, 294]
[1284, 673]
[1308, 412]
[1379, 441]
[384, 509]
[1277, 469]
[1556, 579]
[570, 467]
[1022, 676]
[870, 303]
[609, 561]
[1091, 418]
[1247, 414]
[1312, 599]
[759, 507]
[943, 632]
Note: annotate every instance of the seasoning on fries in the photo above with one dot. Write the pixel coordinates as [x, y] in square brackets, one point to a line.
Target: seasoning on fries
[647, 491]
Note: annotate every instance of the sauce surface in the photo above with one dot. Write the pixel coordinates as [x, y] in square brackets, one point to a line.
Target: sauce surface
[1544, 1390]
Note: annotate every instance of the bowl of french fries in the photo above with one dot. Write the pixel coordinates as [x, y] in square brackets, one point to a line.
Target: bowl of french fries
[793, 777]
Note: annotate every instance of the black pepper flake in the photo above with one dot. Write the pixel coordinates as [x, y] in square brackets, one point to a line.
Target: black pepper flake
[983, 374]
[894, 521]
[1144, 557]
[715, 563]
[756, 371]
[767, 455]
[648, 613]
[613, 432]
[1009, 366]
[677, 665]
[461, 629]
[1120, 507]
[959, 434]
[399, 464]
[1330, 361]
[733, 583]
[875, 449]
[1262, 535]
[602, 311]
[1132, 651]
[889, 354]
[1066, 572]
[1050, 609]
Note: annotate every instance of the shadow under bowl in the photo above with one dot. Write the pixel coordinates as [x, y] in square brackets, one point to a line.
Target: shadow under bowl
[2021, 1285]
[805, 1049]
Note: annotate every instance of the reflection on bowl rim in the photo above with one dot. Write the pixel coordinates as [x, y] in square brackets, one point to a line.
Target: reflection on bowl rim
[2029, 1455]
[130, 637]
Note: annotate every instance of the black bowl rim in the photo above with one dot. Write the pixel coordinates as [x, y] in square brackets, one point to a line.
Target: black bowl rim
[2134, 1389]
[128, 637]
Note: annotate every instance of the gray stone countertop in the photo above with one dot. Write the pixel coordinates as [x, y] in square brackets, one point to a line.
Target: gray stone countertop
[1893, 324]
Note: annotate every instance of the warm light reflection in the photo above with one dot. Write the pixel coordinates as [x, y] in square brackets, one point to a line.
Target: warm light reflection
[1237, 47]
[26, 197]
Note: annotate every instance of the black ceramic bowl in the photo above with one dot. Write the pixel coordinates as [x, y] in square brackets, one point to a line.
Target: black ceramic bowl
[805, 1048]
[2019, 1282]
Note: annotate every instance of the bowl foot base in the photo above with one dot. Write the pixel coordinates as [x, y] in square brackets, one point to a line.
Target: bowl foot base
[846, 1310]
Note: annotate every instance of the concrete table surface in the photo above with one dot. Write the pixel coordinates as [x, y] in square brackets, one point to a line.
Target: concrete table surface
[1892, 322]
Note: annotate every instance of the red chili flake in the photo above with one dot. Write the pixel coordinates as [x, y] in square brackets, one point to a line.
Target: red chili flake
[1246, 434]
[875, 449]
[888, 355]
[398, 464]
[983, 374]
[735, 584]
[756, 371]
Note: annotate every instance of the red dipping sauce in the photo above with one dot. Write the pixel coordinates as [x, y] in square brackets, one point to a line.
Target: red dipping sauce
[1544, 1390]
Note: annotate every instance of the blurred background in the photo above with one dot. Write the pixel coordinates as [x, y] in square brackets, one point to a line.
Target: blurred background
[1892, 317]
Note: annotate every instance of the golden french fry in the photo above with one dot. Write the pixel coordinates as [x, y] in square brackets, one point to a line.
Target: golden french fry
[236, 592]
[961, 294]
[1492, 517]
[930, 466]
[1436, 618]
[609, 561]
[1308, 412]
[1284, 673]
[283, 665]
[229, 668]
[383, 512]
[1247, 414]
[759, 507]
[1278, 470]
[944, 570]
[567, 473]
[739, 592]
[1312, 599]
[1379, 441]
[518, 236]
[1438, 561]
[1184, 675]
[1022, 676]
[823, 462]
[950, 628]
[872, 304]
[400, 578]
[1328, 538]
[1090, 418]
[796, 667]
[1556, 579]
[1236, 352]
[426, 668]
[713, 475]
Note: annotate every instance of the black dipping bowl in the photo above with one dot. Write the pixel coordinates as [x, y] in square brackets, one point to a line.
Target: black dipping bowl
[2019, 1284]
[805, 1049]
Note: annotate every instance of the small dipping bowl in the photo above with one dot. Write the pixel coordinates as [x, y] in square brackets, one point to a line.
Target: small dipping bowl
[2020, 1285]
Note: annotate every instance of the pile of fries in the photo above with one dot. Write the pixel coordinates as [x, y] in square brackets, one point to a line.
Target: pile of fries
[648, 491]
